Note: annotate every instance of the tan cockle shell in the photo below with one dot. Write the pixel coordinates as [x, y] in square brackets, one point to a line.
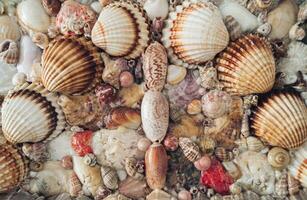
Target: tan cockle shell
[9, 29]
[249, 57]
[278, 158]
[9, 52]
[190, 149]
[109, 177]
[298, 166]
[123, 116]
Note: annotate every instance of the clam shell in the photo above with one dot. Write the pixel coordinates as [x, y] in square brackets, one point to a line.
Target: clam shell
[9, 28]
[175, 74]
[121, 30]
[71, 65]
[13, 168]
[155, 114]
[278, 157]
[281, 120]
[190, 149]
[298, 166]
[9, 52]
[190, 45]
[45, 119]
[123, 116]
[248, 58]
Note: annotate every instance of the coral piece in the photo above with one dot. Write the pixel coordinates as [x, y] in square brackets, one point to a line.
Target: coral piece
[81, 142]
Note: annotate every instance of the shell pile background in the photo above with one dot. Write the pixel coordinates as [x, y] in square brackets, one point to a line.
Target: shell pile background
[153, 99]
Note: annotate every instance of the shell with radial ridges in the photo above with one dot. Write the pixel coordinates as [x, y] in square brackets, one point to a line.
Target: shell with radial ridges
[298, 166]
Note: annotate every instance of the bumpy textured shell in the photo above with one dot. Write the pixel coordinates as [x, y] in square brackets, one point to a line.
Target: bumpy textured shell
[189, 45]
[9, 29]
[71, 65]
[9, 52]
[75, 186]
[13, 168]
[155, 114]
[155, 66]
[281, 120]
[121, 30]
[190, 149]
[298, 166]
[248, 58]
[281, 186]
[233, 27]
[31, 114]
[123, 116]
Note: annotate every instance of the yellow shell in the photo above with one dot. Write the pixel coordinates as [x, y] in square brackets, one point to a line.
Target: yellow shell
[248, 58]
[298, 166]
[71, 65]
[281, 120]
[121, 30]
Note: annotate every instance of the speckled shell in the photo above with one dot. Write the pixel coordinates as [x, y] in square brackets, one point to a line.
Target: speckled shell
[190, 149]
[9, 52]
[9, 28]
[222, 154]
[30, 114]
[298, 165]
[109, 177]
[123, 116]
[13, 168]
[281, 120]
[71, 65]
[189, 45]
[121, 30]
[155, 66]
[248, 58]
[278, 158]
[155, 114]
[75, 186]
[233, 27]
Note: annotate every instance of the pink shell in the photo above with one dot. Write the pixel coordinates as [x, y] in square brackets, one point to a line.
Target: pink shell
[203, 163]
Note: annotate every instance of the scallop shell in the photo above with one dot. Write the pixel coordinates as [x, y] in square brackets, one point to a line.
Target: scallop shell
[298, 166]
[278, 157]
[9, 29]
[175, 74]
[52, 7]
[9, 52]
[281, 120]
[281, 186]
[75, 185]
[249, 57]
[155, 114]
[190, 149]
[121, 30]
[194, 107]
[71, 65]
[133, 188]
[45, 119]
[158, 195]
[155, 66]
[13, 169]
[233, 27]
[190, 45]
[123, 116]
[109, 177]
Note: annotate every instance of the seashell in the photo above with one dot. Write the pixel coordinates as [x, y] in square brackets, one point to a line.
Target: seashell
[207, 145]
[36, 151]
[40, 39]
[293, 185]
[19, 78]
[130, 166]
[105, 93]
[235, 188]
[184, 195]
[302, 13]
[75, 185]
[296, 32]
[281, 186]
[190, 149]
[46, 121]
[187, 126]
[155, 114]
[257, 6]
[53, 31]
[278, 158]
[66, 162]
[129, 37]
[155, 66]
[37, 21]
[216, 103]
[126, 79]
[9, 52]
[133, 188]
[194, 107]
[175, 74]
[156, 8]
[254, 144]
[116, 197]
[69, 79]
[158, 195]
[156, 166]
[234, 74]
[251, 195]
[105, 2]
[222, 154]
[9, 29]
[143, 144]
[13, 169]
[233, 27]
[7, 72]
[209, 37]
[109, 178]
[123, 116]
[297, 167]
[90, 160]
[281, 120]
[171, 142]
[264, 29]
[233, 169]
[203, 163]
[52, 7]
[102, 193]
[208, 77]
[64, 196]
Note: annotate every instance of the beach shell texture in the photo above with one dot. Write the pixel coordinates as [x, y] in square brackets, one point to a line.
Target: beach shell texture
[71, 65]
[298, 166]
[123, 116]
[281, 120]
[9, 52]
[9, 28]
[31, 114]
[121, 30]
[248, 58]
[190, 45]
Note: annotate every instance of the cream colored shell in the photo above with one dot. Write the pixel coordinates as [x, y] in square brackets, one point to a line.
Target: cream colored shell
[9, 28]
[298, 166]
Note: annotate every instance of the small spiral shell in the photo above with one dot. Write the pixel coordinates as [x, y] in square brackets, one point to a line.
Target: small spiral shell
[9, 52]
[222, 154]
[278, 157]
[109, 177]
[130, 166]
[190, 149]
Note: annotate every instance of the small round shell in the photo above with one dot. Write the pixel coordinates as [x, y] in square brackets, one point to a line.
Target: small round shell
[175, 74]
[194, 107]
[109, 177]
[278, 158]
[190, 149]
[9, 52]
[90, 159]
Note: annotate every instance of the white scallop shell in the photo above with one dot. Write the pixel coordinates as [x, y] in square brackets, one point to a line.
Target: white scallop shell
[298, 166]
[9, 28]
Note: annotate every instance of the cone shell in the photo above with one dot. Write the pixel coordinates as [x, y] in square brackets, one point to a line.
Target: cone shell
[298, 166]
[31, 114]
[13, 168]
[190, 149]
[248, 58]
[9, 29]
[188, 44]
[9, 52]
[71, 65]
[121, 30]
[281, 120]
[123, 116]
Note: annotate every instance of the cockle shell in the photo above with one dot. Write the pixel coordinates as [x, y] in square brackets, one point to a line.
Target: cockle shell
[242, 61]
[109, 177]
[13, 169]
[155, 66]
[71, 65]
[233, 27]
[9, 28]
[156, 8]
[293, 185]
[281, 186]
[133, 188]
[254, 144]
[188, 45]
[32, 16]
[298, 167]
[45, 119]
[155, 114]
[9, 52]
[156, 166]
[158, 195]
[128, 37]
[281, 120]
[175, 74]
[278, 158]
[52, 7]
[123, 116]
[190, 149]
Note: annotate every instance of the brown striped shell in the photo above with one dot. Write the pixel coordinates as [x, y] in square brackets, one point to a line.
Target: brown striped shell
[298, 165]
[281, 120]
[248, 58]
[123, 116]
[109, 177]
[9, 52]
[190, 149]
[71, 65]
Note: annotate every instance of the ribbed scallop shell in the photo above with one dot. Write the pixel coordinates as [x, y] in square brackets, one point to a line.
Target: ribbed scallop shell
[9, 29]
[248, 58]
[13, 168]
[194, 33]
[71, 65]
[9, 52]
[298, 166]
[31, 114]
[281, 120]
[190, 149]
[121, 30]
